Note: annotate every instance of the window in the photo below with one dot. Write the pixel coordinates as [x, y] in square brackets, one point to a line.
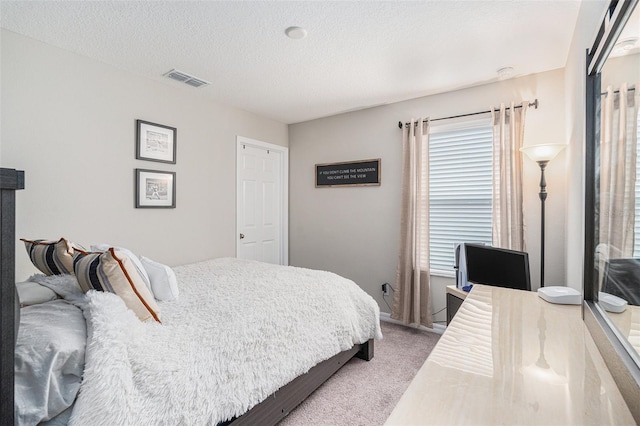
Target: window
[460, 171]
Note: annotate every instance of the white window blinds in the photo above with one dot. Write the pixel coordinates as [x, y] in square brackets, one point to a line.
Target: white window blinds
[459, 188]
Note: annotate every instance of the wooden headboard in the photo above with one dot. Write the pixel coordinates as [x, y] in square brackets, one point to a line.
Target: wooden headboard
[10, 181]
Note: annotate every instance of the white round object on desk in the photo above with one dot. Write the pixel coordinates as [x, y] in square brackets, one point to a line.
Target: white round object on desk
[560, 295]
[612, 303]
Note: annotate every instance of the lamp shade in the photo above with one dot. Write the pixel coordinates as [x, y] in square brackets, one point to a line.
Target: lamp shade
[543, 152]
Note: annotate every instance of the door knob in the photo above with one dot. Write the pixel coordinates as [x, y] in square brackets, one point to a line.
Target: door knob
[241, 236]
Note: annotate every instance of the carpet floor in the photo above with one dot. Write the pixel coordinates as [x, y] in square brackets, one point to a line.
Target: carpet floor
[364, 393]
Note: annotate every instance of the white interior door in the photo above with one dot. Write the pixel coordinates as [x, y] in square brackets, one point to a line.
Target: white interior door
[262, 200]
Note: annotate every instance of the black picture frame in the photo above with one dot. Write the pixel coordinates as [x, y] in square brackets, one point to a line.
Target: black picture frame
[155, 189]
[349, 173]
[156, 142]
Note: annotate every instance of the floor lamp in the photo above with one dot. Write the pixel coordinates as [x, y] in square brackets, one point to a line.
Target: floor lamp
[542, 154]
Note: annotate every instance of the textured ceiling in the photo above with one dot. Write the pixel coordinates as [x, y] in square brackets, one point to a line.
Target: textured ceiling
[357, 53]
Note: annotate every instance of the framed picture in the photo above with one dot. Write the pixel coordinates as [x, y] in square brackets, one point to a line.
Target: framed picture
[155, 142]
[155, 189]
[349, 173]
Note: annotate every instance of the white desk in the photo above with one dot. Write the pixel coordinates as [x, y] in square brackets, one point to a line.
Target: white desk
[508, 357]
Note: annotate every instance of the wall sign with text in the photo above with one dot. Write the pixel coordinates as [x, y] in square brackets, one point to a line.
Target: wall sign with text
[348, 173]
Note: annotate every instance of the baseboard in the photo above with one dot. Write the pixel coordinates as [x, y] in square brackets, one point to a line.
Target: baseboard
[437, 328]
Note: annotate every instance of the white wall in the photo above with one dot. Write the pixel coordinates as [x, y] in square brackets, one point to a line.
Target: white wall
[589, 18]
[622, 69]
[69, 122]
[354, 231]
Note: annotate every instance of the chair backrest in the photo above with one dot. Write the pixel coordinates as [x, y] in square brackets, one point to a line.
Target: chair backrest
[622, 278]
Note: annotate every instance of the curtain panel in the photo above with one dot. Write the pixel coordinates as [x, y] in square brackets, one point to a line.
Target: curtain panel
[411, 304]
[508, 225]
[618, 146]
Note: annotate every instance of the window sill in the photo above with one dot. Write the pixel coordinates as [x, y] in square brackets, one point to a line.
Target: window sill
[442, 273]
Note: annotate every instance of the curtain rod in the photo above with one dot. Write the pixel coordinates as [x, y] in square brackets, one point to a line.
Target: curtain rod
[630, 89]
[531, 104]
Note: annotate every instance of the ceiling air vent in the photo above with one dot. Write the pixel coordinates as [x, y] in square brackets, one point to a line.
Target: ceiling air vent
[186, 78]
[196, 82]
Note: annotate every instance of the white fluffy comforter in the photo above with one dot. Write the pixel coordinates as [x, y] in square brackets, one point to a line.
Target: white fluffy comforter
[239, 331]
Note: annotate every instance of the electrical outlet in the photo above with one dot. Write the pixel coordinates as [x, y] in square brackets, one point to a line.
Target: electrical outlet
[385, 289]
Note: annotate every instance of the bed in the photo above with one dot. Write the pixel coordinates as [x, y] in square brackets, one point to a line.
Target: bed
[244, 342]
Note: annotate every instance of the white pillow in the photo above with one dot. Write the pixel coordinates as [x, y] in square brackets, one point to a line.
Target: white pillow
[32, 293]
[105, 247]
[163, 280]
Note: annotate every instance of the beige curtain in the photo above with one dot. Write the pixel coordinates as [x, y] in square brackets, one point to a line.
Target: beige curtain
[508, 211]
[618, 142]
[411, 299]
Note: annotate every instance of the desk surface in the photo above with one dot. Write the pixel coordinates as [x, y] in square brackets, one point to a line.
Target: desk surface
[509, 357]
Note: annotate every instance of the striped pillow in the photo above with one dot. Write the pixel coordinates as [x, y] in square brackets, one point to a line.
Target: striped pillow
[116, 273]
[126, 252]
[51, 257]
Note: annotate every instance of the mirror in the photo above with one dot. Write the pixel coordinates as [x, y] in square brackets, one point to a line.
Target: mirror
[612, 195]
[617, 251]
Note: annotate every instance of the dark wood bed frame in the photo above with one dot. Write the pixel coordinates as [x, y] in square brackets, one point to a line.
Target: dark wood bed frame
[284, 400]
[268, 412]
[10, 181]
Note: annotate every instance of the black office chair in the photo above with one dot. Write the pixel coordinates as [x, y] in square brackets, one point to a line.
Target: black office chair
[622, 278]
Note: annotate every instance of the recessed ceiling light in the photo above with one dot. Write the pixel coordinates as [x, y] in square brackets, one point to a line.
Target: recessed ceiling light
[296, 32]
[504, 73]
[626, 44]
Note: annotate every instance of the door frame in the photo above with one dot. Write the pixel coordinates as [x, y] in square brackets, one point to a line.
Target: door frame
[284, 178]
